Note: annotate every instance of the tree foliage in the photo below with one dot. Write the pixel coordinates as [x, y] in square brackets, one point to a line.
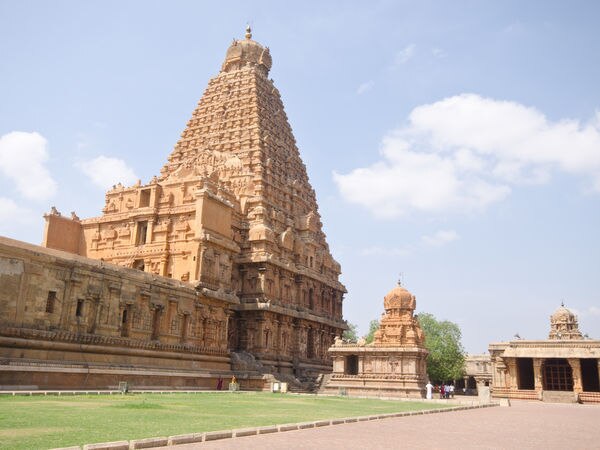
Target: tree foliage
[350, 332]
[446, 360]
[373, 327]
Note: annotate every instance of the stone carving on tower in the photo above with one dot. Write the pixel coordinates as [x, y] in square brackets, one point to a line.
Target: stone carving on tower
[398, 326]
[232, 212]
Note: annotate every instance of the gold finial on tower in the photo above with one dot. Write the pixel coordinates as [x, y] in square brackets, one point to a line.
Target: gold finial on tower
[248, 32]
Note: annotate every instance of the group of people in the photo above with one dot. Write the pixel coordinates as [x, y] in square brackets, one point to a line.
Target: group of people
[445, 390]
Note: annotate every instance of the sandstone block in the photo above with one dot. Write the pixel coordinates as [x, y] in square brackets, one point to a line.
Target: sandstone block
[148, 443]
[116, 445]
[269, 429]
[185, 438]
[215, 435]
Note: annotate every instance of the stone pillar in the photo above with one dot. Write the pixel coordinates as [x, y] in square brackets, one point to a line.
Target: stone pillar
[184, 327]
[164, 265]
[133, 232]
[511, 364]
[537, 374]
[576, 368]
[277, 335]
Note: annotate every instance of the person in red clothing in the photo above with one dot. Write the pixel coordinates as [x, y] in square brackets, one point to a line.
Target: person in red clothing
[442, 391]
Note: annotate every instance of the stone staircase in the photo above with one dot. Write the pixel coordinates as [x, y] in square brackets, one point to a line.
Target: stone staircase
[244, 364]
[559, 397]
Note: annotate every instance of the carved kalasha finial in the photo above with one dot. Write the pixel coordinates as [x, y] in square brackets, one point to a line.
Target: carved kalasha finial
[248, 32]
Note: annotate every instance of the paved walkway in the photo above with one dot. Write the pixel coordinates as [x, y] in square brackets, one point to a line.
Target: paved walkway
[524, 425]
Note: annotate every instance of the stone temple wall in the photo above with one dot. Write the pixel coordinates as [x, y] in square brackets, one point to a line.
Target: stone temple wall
[71, 322]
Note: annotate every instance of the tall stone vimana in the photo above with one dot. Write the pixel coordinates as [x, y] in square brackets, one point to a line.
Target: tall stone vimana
[222, 252]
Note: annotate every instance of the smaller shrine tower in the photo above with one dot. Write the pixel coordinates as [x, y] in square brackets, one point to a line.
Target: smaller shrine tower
[394, 364]
[564, 325]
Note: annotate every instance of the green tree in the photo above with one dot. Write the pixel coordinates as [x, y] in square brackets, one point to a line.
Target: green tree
[446, 360]
[373, 327]
[350, 332]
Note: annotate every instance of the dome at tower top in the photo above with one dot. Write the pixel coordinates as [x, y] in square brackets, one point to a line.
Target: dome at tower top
[563, 325]
[563, 314]
[247, 52]
[399, 298]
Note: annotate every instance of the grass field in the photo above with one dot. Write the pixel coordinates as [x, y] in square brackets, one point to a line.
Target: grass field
[46, 422]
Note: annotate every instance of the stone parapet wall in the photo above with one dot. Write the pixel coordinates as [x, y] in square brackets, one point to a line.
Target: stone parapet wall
[515, 393]
[589, 397]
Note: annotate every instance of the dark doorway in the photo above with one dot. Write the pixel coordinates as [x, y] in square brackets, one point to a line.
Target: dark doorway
[589, 375]
[351, 367]
[525, 373]
[471, 383]
[125, 322]
[558, 375]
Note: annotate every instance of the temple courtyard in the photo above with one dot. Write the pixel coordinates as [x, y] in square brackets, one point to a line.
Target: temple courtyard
[524, 425]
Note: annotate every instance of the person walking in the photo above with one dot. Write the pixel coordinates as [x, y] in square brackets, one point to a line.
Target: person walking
[429, 388]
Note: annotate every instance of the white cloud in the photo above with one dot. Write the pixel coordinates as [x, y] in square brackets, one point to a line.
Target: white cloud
[365, 87]
[440, 238]
[466, 152]
[404, 55]
[106, 172]
[11, 214]
[594, 311]
[22, 159]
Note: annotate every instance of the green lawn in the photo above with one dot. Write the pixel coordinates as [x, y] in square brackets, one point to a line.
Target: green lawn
[46, 422]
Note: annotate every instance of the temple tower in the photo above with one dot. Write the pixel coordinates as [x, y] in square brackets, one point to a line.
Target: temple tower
[393, 365]
[233, 213]
[564, 325]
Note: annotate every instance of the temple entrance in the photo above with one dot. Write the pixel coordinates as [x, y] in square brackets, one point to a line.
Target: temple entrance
[590, 379]
[351, 366]
[525, 373]
[557, 375]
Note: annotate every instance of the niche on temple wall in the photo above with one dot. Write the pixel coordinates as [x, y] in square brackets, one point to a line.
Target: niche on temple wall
[145, 198]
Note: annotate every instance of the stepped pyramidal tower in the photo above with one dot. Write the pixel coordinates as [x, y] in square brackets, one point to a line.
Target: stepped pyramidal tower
[233, 214]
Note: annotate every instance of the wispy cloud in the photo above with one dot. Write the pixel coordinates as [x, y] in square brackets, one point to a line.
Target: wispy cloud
[438, 52]
[384, 251]
[23, 158]
[466, 152]
[365, 87]
[440, 238]
[105, 171]
[10, 213]
[594, 311]
[404, 55]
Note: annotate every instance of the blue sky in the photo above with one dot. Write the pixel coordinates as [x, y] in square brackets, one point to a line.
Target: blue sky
[457, 143]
